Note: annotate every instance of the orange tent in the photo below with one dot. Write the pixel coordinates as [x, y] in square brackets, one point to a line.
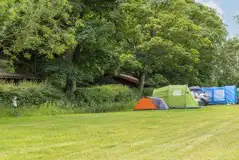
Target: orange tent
[151, 103]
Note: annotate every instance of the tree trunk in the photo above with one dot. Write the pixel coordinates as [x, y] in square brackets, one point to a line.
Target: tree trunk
[70, 80]
[141, 83]
[72, 58]
[70, 86]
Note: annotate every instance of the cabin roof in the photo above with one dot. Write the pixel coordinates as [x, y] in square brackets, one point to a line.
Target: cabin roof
[6, 75]
[129, 78]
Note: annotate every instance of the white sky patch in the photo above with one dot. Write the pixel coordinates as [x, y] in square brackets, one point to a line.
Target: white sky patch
[213, 4]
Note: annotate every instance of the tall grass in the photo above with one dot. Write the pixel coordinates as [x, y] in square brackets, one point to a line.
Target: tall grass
[106, 107]
[53, 108]
[46, 109]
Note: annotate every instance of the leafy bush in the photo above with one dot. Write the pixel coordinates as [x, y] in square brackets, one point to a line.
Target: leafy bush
[57, 80]
[104, 98]
[28, 93]
[148, 92]
[43, 99]
[7, 66]
[157, 80]
[104, 94]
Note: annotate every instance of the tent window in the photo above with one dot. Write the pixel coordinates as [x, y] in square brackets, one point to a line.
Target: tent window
[219, 94]
[177, 92]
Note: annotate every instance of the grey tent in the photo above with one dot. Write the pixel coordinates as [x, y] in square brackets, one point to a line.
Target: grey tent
[159, 101]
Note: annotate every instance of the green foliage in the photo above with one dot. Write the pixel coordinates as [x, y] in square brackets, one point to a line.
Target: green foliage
[57, 80]
[104, 94]
[42, 99]
[59, 108]
[157, 80]
[105, 107]
[176, 40]
[28, 93]
[130, 64]
[58, 70]
[226, 65]
[104, 98]
[148, 92]
[97, 47]
[7, 66]
[6, 111]
[44, 27]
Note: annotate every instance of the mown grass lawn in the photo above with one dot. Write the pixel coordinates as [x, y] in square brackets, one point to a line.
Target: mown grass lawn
[202, 134]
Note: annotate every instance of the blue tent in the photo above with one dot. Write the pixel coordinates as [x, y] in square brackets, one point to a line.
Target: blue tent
[221, 95]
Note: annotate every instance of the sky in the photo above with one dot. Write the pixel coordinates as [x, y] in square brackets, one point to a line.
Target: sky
[227, 9]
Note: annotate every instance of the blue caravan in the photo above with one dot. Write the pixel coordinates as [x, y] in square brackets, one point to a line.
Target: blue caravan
[221, 95]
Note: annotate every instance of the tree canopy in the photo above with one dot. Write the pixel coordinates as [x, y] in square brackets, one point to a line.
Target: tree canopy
[162, 42]
[43, 26]
[176, 40]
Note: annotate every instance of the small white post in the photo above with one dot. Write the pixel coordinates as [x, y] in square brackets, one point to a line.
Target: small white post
[14, 102]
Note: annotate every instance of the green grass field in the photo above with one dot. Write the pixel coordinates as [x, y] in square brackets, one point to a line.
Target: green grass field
[201, 134]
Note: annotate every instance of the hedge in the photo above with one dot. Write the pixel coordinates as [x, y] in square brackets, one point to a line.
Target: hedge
[28, 93]
[32, 96]
[104, 98]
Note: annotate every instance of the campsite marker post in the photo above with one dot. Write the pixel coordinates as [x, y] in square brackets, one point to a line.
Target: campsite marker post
[14, 104]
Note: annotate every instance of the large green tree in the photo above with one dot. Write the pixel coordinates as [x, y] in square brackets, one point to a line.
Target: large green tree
[78, 34]
[226, 65]
[176, 39]
[96, 50]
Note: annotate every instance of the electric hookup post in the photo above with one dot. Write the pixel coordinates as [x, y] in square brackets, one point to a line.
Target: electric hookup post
[14, 105]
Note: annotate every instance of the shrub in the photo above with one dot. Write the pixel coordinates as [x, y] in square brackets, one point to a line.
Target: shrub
[148, 91]
[104, 94]
[28, 93]
[104, 98]
[43, 99]
[57, 80]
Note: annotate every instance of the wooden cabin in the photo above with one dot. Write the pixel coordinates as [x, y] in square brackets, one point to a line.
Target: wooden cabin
[15, 77]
